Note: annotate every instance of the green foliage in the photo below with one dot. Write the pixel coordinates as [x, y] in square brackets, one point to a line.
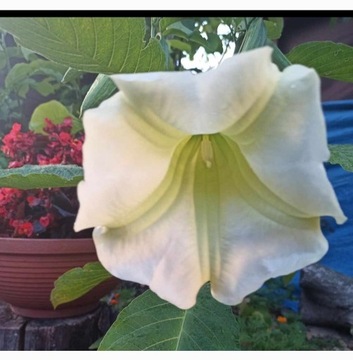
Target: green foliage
[342, 155]
[274, 27]
[185, 36]
[41, 176]
[102, 88]
[54, 111]
[98, 45]
[77, 282]
[258, 332]
[150, 323]
[22, 76]
[3, 60]
[187, 33]
[255, 36]
[264, 325]
[127, 292]
[165, 22]
[27, 80]
[329, 59]
[10, 102]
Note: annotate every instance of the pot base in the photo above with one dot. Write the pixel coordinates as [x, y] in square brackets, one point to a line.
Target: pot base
[30, 267]
[54, 314]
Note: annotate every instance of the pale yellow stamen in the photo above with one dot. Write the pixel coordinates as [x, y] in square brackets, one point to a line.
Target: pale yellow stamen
[207, 151]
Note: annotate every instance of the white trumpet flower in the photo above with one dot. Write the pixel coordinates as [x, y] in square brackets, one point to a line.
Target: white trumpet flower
[213, 177]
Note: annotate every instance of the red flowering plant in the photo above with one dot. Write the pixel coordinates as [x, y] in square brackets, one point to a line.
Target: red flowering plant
[42, 212]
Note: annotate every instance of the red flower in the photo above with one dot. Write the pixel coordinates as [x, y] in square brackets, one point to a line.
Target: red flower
[22, 227]
[39, 212]
[33, 201]
[65, 138]
[46, 220]
[19, 146]
[8, 194]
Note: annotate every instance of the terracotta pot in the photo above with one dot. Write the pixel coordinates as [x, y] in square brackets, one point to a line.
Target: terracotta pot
[29, 267]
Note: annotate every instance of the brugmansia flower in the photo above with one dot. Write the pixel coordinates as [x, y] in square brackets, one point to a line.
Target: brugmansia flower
[211, 177]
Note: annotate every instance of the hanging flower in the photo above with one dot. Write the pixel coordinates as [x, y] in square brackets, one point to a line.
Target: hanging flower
[212, 177]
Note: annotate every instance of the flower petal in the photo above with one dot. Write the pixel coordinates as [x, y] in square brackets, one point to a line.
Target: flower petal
[221, 228]
[165, 255]
[258, 236]
[286, 144]
[124, 159]
[205, 103]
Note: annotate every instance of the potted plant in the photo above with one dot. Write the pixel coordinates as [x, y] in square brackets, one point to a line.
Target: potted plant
[37, 242]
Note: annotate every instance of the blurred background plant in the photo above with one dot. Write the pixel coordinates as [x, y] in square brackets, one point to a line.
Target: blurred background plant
[27, 80]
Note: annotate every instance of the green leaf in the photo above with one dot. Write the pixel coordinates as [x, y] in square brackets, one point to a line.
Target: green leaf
[342, 155]
[165, 22]
[71, 75]
[99, 45]
[28, 54]
[54, 111]
[44, 87]
[329, 59]
[179, 44]
[274, 27]
[76, 282]
[23, 90]
[14, 52]
[214, 43]
[22, 71]
[41, 176]
[211, 45]
[149, 323]
[3, 59]
[102, 88]
[178, 28]
[255, 36]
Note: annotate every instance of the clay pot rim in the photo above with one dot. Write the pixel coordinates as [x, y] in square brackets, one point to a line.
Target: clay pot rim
[9, 245]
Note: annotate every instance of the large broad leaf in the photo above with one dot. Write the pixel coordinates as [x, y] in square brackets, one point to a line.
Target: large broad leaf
[41, 176]
[102, 88]
[56, 112]
[150, 323]
[77, 282]
[342, 155]
[330, 60]
[99, 45]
